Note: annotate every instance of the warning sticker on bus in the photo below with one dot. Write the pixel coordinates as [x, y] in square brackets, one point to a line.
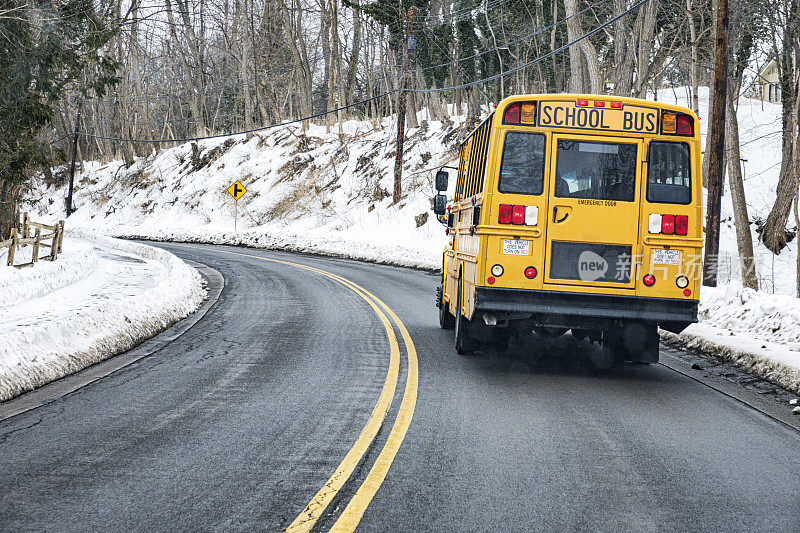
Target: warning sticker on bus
[666, 257]
[630, 118]
[515, 247]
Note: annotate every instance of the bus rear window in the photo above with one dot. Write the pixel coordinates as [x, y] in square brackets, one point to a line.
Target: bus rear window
[595, 170]
[522, 170]
[668, 173]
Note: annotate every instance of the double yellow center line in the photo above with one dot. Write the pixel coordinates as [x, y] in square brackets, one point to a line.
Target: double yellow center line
[357, 505]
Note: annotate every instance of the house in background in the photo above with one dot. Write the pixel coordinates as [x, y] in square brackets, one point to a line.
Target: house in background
[767, 86]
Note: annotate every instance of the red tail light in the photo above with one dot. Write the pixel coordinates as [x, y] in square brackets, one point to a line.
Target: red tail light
[511, 116]
[649, 280]
[504, 216]
[668, 224]
[681, 224]
[685, 125]
[518, 214]
[527, 215]
[530, 272]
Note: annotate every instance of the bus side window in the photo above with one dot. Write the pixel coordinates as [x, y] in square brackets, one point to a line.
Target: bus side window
[522, 168]
[669, 173]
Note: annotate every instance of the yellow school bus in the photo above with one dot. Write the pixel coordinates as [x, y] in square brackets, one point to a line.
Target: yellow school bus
[574, 212]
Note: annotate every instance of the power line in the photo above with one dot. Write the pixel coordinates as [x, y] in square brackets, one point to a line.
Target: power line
[538, 59]
[253, 130]
[518, 39]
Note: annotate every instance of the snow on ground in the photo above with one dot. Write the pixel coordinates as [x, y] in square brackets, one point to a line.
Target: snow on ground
[322, 193]
[759, 332]
[102, 296]
[330, 193]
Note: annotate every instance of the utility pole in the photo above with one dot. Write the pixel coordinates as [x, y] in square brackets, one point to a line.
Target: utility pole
[401, 107]
[717, 144]
[74, 156]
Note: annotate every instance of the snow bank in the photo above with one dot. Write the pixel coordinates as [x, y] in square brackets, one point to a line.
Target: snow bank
[759, 332]
[101, 297]
[322, 243]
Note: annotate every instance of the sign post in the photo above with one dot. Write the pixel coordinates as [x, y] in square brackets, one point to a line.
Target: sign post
[236, 190]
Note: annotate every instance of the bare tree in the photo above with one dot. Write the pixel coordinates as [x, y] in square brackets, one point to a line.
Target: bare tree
[784, 18]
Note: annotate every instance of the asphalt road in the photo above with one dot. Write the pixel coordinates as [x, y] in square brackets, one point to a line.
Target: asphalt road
[238, 423]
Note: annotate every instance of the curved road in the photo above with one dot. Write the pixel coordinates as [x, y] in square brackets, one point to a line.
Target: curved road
[240, 424]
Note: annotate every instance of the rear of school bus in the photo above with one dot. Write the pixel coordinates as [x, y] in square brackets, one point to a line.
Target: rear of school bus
[590, 219]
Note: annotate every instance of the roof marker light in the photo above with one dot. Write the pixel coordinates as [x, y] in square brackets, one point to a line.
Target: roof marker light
[616, 105]
[599, 104]
[583, 102]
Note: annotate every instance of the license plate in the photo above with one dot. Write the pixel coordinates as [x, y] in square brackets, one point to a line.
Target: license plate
[515, 247]
[666, 257]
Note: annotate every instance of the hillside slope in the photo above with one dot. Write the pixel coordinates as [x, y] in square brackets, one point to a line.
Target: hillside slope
[320, 192]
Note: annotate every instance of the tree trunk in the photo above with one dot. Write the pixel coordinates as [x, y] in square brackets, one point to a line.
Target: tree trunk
[693, 55]
[352, 67]
[9, 207]
[716, 166]
[576, 81]
[645, 36]
[773, 233]
[193, 73]
[797, 225]
[744, 236]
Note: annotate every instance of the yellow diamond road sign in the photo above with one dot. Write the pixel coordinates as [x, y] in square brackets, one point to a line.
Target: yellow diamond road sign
[236, 190]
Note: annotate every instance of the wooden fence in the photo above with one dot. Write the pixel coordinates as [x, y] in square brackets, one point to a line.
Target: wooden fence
[21, 237]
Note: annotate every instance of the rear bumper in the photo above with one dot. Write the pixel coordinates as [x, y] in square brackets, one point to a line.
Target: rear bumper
[572, 309]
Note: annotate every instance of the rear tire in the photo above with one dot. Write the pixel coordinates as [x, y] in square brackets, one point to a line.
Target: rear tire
[446, 318]
[465, 344]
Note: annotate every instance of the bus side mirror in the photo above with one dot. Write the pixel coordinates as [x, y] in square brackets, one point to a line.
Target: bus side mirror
[439, 204]
[441, 180]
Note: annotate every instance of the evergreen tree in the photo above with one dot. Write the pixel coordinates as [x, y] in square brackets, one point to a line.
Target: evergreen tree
[47, 47]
